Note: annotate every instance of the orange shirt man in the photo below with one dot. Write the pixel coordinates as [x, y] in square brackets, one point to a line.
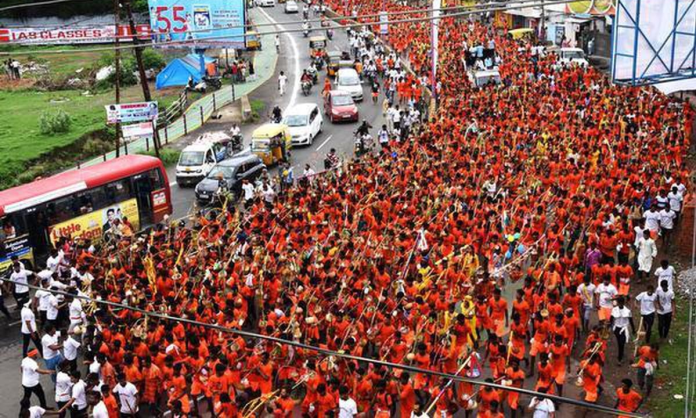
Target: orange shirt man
[627, 399]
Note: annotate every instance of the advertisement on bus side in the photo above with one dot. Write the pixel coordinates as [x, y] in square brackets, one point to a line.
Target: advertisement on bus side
[19, 246]
[95, 225]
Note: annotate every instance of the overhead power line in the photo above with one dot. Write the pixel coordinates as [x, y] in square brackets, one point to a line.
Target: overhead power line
[326, 352]
[193, 42]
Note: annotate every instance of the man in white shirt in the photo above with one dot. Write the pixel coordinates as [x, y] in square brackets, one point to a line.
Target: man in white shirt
[282, 82]
[605, 296]
[28, 329]
[647, 302]
[20, 278]
[621, 318]
[652, 219]
[53, 309]
[99, 409]
[647, 251]
[63, 384]
[54, 260]
[667, 218]
[70, 347]
[41, 296]
[75, 312]
[665, 272]
[78, 397]
[127, 396]
[248, 190]
[675, 200]
[542, 407]
[51, 348]
[586, 290]
[31, 374]
[665, 309]
[347, 408]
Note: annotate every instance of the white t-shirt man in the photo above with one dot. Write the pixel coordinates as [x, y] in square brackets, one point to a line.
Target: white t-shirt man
[542, 408]
[46, 342]
[606, 293]
[70, 346]
[30, 372]
[127, 394]
[28, 320]
[667, 217]
[63, 387]
[652, 220]
[586, 292]
[647, 302]
[675, 201]
[100, 411]
[20, 280]
[52, 311]
[42, 296]
[621, 318]
[53, 262]
[248, 189]
[347, 408]
[666, 298]
[79, 395]
[665, 274]
[36, 412]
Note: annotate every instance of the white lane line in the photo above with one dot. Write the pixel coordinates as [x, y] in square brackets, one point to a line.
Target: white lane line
[324, 143]
[296, 57]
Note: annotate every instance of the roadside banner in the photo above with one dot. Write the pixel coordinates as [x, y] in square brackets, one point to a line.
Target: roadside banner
[94, 225]
[131, 112]
[70, 36]
[203, 23]
[137, 130]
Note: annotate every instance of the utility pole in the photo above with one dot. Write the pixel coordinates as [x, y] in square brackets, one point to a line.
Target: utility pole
[117, 70]
[141, 69]
[542, 28]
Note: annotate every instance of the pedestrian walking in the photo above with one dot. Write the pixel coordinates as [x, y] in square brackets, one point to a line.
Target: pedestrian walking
[647, 301]
[28, 328]
[282, 82]
[31, 373]
[665, 309]
[51, 346]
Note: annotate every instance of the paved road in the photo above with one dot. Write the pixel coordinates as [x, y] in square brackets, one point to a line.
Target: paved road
[294, 57]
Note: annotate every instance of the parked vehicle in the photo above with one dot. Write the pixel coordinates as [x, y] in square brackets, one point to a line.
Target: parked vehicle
[572, 56]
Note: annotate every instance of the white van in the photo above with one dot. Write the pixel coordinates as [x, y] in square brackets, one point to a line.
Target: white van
[484, 77]
[348, 80]
[197, 159]
[572, 56]
[305, 122]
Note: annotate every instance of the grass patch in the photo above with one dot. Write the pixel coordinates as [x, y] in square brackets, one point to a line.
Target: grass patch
[257, 108]
[169, 156]
[671, 377]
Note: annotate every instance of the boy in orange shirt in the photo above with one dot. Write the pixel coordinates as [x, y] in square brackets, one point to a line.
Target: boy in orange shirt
[627, 400]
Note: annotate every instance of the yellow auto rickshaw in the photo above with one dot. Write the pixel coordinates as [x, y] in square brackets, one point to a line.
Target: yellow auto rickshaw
[333, 58]
[253, 40]
[272, 143]
[317, 47]
[521, 33]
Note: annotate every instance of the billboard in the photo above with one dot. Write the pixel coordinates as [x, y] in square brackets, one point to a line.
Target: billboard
[137, 130]
[203, 23]
[131, 112]
[654, 41]
[70, 36]
[94, 225]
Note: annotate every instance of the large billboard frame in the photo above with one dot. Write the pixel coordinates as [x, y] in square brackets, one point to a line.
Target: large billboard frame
[655, 50]
[194, 36]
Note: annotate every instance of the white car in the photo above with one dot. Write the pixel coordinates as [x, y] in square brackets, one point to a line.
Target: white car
[265, 3]
[573, 56]
[291, 7]
[305, 122]
[348, 80]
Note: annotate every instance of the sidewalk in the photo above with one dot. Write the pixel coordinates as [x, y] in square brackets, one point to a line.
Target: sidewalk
[201, 110]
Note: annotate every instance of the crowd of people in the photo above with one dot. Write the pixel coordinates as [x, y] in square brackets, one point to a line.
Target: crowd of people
[502, 239]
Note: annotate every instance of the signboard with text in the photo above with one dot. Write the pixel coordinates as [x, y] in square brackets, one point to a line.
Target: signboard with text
[137, 130]
[131, 112]
[203, 23]
[70, 35]
[94, 225]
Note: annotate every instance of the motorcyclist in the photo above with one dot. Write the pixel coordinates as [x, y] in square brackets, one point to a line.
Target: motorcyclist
[363, 129]
[306, 27]
[305, 77]
[277, 114]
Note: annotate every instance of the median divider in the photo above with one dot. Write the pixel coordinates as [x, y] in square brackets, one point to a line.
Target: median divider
[246, 108]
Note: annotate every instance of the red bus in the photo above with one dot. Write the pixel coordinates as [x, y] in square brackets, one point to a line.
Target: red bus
[81, 203]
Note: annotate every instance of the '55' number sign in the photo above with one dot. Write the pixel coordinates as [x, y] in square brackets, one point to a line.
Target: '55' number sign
[171, 19]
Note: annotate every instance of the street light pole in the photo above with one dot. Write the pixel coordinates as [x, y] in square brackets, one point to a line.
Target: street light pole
[435, 25]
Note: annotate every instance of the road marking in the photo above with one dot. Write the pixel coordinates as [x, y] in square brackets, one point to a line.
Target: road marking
[171, 183]
[324, 143]
[296, 54]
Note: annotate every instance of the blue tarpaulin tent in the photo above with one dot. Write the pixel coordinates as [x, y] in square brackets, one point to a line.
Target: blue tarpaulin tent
[178, 71]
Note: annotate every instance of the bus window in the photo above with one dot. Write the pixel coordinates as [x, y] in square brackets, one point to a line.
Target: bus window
[156, 179]
[117, 191]
[142, 186]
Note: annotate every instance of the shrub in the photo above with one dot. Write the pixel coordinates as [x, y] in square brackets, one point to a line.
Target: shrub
[53, 123]
[153, 60]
